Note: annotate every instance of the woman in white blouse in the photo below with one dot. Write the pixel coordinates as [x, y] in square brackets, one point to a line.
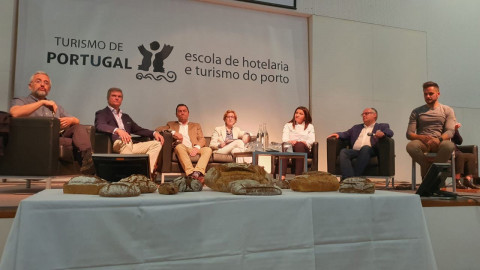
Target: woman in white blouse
[228, 139]
[300, 133]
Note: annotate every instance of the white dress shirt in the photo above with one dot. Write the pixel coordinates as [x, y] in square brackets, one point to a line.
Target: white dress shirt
[363, 139]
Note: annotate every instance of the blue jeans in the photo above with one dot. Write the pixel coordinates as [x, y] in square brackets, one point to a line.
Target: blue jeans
[363, 157]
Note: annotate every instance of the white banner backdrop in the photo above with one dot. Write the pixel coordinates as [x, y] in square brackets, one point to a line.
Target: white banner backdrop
[162, 53]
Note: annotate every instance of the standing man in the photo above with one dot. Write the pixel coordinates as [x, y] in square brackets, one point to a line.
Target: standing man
[191, 142]
[37, 105]
[363, 138]
[430, 129]
[120, 126]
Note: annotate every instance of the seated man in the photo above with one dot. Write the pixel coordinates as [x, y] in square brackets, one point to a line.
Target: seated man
[37, 105]
[120, 126]
[191, 142]
[430, 129]
[363, 138]
[463, 160]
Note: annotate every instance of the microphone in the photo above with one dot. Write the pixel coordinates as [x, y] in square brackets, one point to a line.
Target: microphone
[370, 134]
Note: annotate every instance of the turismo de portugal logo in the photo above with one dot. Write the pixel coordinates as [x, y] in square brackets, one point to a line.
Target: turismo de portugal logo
[153, 61]
[151, 67]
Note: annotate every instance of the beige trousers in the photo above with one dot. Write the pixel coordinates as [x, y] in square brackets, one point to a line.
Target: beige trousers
[183, 155]
[151, 148]
[235, 147]
[417, 151]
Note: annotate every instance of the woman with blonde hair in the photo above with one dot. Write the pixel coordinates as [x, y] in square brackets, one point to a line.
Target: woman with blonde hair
[228, 139]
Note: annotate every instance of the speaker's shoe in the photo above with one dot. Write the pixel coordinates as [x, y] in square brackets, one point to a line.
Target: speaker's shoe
[459, 184]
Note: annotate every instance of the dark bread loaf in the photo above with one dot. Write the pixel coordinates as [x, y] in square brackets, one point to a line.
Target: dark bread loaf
[144, 183]
[357, 185]
[119, 189]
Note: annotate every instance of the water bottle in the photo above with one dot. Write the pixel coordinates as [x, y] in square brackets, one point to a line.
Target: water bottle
[260, 136]
[265, 137]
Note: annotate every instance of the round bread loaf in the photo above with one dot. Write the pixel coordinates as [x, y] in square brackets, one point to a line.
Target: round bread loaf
[314, 181]
[218, 177]
[84, 185]
[144, 183]
[357, 185]
[168, 188]
[119, 189]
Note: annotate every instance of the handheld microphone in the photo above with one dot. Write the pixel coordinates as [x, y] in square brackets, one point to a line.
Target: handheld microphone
[370, 134]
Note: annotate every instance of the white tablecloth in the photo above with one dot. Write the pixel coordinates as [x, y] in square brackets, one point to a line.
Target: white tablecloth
[212, 230]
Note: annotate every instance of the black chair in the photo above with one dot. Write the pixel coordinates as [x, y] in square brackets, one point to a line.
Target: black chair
[33, 151]
[382, 165]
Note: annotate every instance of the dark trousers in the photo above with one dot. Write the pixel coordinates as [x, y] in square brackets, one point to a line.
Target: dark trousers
[77, 139]
[299, 162]
[462, 159]
[362, 158]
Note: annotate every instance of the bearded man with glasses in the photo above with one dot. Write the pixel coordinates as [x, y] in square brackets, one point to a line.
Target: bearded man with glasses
[37, 105]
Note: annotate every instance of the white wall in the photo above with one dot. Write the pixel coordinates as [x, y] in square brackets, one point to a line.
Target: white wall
[7, 22]
[358, 65]
[452, 49]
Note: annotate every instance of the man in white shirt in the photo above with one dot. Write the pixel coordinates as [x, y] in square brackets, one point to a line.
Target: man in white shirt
[363, 138]
[191, 143]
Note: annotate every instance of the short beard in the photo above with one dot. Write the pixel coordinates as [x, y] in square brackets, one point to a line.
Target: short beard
[39, 93]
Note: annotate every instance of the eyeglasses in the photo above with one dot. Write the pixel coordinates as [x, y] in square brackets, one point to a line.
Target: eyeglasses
[366, 113]
[38, 81]
[230, 117]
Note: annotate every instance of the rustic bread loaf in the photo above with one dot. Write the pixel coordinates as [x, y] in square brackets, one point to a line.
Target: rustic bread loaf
[314, 181]
[283, 184]
[119, 189]
[168, 188]
[144, 183]
[84, 184]
[252, 187]
[357, 185]
[218, 177]
[187, 184]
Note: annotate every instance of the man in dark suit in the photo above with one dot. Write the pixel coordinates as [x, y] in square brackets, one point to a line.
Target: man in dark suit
[363, 138]
[120, 126]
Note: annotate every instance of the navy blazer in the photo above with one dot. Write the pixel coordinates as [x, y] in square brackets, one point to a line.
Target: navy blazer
[105, 122]
[354, 132]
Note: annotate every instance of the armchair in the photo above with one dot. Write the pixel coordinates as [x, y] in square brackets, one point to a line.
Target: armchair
[33, 150]
[382, 165]
[172, 165]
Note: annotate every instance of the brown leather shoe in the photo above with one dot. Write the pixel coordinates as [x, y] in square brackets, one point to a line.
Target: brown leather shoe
[468, 183]
[459, 184]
